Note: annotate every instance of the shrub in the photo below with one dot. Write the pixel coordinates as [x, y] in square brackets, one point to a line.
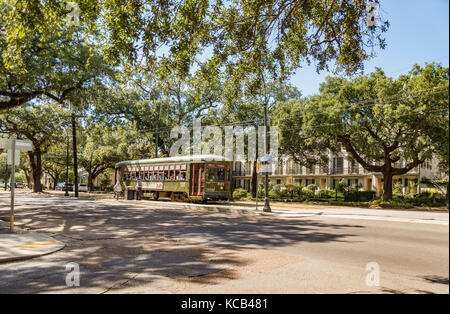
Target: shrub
[289, 187]
[430, 198]
[324, 194]
[341, 186]
[392, 204]
[277, 188]
[412, 188]
[271, 185]
[398, 188]
[356, 187]
[312, 187]
[279, 191]
[433, 194]
[289, 190]
[298, 190]
[308, 194]
[274, 194]
[240, 193]
[286, 191]
[261, 193]
[360, 196]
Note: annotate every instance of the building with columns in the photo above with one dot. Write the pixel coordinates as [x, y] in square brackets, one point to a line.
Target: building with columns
[340, 166]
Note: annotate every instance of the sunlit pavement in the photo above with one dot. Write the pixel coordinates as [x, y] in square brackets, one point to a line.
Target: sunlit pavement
[163, 247]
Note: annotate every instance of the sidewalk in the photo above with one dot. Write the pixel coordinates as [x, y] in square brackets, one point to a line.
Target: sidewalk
[24, 245]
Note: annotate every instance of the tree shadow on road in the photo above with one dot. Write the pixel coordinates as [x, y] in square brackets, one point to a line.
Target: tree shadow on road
[118, 244]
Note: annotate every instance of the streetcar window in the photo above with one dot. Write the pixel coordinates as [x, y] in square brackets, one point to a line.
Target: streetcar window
[221, 174]
[211, 174]
[182, 175]
[216, 174]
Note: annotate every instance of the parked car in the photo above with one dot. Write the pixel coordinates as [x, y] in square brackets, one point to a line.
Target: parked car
[82, 187]
[62, 187]
[20, 185]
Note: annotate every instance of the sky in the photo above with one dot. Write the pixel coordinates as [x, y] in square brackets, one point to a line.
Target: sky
[418, 33]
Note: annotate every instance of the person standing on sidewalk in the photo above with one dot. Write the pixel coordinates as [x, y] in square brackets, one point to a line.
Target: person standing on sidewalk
[117, 190]
[139, 190]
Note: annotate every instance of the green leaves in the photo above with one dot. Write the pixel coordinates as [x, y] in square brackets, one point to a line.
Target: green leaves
[243, 38]
[376, 118]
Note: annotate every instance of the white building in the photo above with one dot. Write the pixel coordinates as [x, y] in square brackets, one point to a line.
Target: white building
[326, 177]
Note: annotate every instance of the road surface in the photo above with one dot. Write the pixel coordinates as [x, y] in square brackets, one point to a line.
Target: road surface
[163, 247]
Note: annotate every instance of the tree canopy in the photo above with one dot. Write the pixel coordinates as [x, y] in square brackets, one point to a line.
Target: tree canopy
[201, 39]
[388, 125]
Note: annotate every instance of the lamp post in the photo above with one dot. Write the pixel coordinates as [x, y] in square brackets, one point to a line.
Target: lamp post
[266, 200]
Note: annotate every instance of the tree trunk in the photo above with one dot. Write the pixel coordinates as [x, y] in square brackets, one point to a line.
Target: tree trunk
[37, 187]
[254, 188]
[36, 169]
[55, 179]
[387, 185]
[90, 182]
[27, 177]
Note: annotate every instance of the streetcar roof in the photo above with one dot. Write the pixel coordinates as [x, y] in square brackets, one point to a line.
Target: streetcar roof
[187, 158]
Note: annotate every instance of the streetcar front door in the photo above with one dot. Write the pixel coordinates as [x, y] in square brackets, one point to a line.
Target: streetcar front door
[198, 179]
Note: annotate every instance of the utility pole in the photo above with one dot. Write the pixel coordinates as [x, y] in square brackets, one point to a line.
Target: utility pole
[157, 143]
[75, 159]
[66, 193]
[6, 177]
[13, 183]
[157, 133]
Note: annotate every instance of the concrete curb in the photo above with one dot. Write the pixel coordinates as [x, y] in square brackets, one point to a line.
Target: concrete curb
[27, 245]
[336, 212]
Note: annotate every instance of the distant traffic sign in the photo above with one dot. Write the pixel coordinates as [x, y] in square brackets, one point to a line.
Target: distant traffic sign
[20, 146]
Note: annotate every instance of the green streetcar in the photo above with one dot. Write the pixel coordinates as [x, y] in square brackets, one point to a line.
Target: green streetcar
[185, 178]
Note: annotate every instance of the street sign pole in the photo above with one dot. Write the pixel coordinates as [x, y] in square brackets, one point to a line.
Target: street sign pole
[13, 183]
[257, 187]
[14, 147]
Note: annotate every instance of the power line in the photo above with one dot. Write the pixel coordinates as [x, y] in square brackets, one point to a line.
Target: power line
[361, 104]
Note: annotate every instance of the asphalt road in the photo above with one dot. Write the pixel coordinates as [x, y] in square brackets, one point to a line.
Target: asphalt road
[163, 247]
